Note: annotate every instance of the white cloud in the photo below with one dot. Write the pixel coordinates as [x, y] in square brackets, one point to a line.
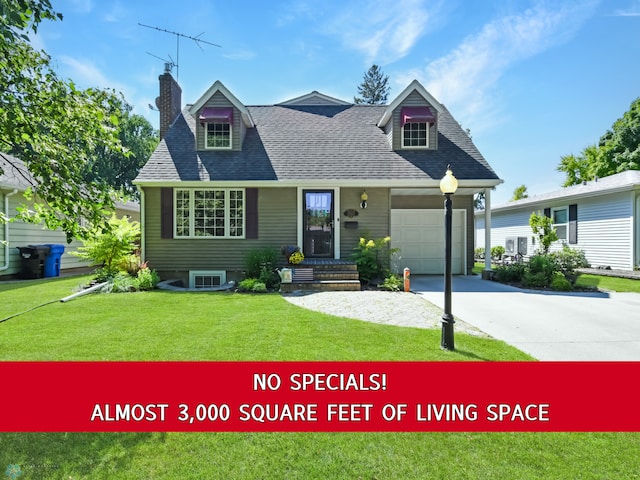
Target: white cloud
[466, 79]
[85, 72]
[82, 6]
[240, 55]
[383, 31]
[632, 11]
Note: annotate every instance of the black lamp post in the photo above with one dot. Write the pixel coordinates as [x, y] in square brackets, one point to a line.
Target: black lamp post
[448, 186]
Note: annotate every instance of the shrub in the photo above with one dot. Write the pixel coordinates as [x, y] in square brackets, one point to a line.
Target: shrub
[269, 276]
[497, 252]
[560, 283]
[146, 279]
[512, 273]
[372, 258]
[259, 287]
[259, 259]
[392, 283]
[569, 259]
[121, 283]
[544, 266]
[479, 253]
[111, 247]
[247, 284]
[535, 280]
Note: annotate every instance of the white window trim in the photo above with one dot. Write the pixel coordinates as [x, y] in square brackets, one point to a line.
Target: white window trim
[565, 225]
[415, 147]
[206, 273]
[227, 208]
[206, 136]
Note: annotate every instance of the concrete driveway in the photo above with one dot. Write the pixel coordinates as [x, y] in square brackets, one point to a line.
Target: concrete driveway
[546, 325]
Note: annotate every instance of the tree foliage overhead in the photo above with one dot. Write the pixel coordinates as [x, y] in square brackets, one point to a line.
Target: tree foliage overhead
[617, 151]
[56, 129]
[374, 88]
[519, 193]
[118, 169]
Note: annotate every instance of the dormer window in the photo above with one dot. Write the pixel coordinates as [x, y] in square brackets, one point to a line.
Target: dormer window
[218, 127]
[218, 135]
[415, 126]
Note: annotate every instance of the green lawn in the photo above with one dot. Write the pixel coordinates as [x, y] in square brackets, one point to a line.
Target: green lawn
[609, 283]
[181, 326]
[584, 280]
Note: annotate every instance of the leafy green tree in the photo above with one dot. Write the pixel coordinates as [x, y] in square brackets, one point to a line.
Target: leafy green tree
[543, 228]
[374, 88]
[118, 169]
[519, 193]
[617, 151]
[52, 126]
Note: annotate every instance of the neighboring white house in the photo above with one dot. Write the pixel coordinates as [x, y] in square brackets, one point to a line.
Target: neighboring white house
[14, 181]
[601, 217]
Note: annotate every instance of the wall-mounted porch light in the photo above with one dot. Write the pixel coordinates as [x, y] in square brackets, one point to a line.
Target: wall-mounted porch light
[363, 199]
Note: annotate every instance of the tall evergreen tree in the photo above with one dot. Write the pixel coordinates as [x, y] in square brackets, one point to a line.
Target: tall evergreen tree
[374, 88]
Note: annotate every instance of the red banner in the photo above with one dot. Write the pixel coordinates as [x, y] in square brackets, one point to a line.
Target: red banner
[318, 396]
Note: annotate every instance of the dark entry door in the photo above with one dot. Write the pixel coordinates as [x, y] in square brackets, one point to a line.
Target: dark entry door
[318, 223]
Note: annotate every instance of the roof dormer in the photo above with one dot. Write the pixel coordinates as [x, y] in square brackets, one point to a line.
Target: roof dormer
[411, 120]
[222, 120]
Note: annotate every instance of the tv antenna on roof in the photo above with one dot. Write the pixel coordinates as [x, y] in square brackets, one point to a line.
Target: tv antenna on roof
[168, 64]
[198, 41]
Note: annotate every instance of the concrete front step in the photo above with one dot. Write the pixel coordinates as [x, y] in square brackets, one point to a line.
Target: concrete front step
[321, 286]
[336, 275]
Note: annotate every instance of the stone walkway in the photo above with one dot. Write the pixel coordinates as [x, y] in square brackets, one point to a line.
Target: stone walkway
[388, 308]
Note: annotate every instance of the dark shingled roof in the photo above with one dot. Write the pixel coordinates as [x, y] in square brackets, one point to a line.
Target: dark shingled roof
[306, 143]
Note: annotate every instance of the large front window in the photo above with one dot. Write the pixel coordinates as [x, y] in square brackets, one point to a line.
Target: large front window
[218, 135]
[217, 213]
[414, 135]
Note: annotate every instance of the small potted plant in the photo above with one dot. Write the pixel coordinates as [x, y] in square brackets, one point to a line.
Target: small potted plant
[296, 257]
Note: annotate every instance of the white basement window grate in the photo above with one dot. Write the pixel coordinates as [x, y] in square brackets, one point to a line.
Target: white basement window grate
[207, 278]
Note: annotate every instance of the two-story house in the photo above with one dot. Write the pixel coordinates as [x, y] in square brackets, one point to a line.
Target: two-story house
[314, 171]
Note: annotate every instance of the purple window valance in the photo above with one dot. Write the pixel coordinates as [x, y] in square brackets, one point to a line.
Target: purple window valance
[216, 115]
[416, 115]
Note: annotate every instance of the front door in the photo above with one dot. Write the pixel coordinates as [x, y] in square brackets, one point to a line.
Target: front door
[317, 225]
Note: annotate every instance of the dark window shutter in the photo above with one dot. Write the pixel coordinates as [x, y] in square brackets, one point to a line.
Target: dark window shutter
[573, 224]
[547, 212]
[251, 212]
[166, 212]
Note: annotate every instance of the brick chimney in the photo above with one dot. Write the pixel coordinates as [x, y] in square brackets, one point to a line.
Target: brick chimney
[169, 102]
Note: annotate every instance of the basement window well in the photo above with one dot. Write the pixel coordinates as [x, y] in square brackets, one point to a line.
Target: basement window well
[207, 278]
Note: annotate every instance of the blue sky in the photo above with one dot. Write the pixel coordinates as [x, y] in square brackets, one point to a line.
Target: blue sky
[533, 80]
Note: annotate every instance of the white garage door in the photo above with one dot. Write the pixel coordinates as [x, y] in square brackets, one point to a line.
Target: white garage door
[419, 234]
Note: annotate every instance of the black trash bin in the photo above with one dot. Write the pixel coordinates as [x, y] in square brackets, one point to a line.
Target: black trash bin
[33, 258]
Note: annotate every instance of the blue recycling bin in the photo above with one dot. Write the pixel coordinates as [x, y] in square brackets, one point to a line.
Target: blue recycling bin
[52, 261]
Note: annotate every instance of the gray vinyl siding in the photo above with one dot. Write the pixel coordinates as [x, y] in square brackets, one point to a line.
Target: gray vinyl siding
[605, 226]
[413, 100]
[459, 202]
[22, 234]
[604, 230]
[277, 226]
[238, 128]
[373, 221]
[508, 224]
